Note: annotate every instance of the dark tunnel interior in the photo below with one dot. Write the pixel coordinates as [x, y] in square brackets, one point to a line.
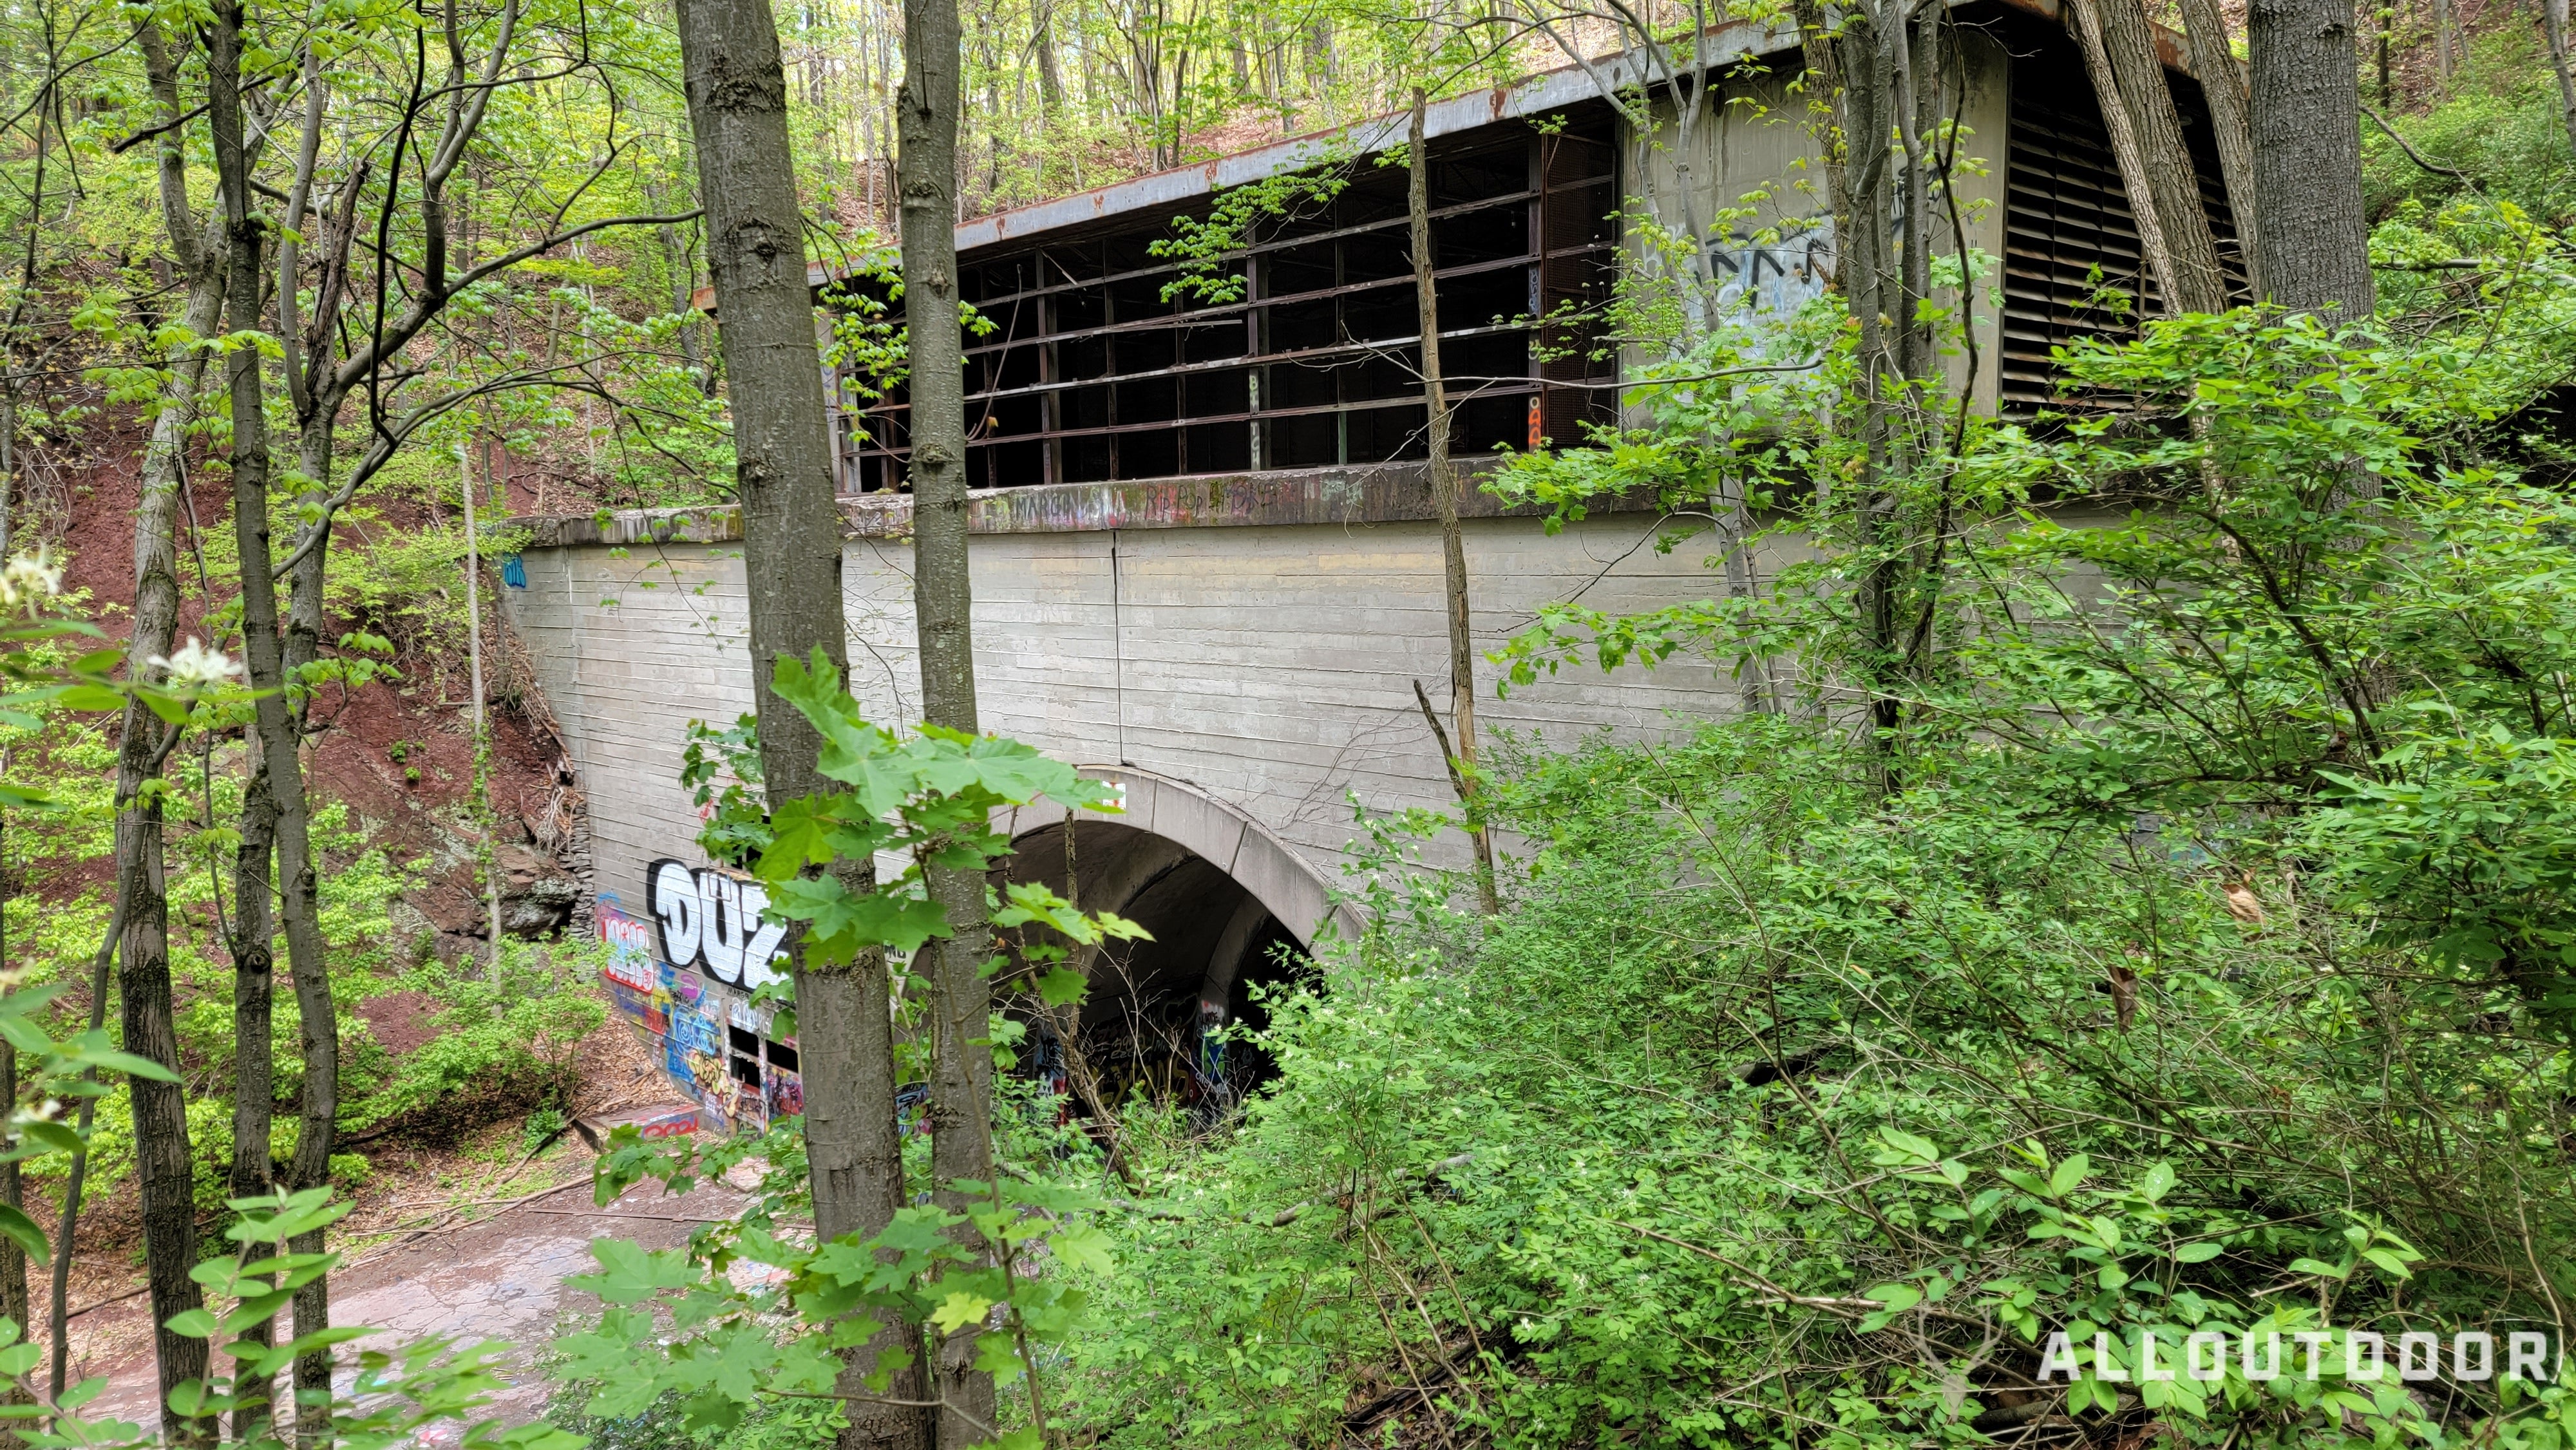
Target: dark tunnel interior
[1158, 1009]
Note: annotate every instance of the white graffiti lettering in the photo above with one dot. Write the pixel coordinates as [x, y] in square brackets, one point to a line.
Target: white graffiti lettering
[712, 920]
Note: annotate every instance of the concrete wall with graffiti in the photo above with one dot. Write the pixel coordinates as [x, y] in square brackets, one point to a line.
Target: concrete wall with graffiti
[683, 971]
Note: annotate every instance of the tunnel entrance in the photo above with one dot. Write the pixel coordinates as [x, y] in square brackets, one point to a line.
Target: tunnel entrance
[1157, 1011]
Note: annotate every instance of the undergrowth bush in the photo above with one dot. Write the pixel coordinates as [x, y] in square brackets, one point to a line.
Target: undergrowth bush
[2177, 939]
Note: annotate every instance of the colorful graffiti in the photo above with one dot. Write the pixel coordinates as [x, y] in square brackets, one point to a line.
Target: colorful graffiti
[713, 1041]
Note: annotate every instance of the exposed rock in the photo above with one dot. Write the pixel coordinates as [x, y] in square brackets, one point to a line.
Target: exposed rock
[538, 892]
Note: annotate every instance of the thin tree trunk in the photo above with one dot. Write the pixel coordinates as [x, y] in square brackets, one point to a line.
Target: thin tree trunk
[2307, 157]
[1050, 76]
[2222, 88]
[274, 726]
[482, 727]
[684, 286]
[1444, 495]
[201, 257]
[1917, 72]
[8, 465]
[254, 1005]
[2386, 40]
[1866, 117]
[14, 1301]
[163, 1163]
[67, 1238]
[2442, 28]
[2560, 64]
[317, 1014]
[1825, 90]
[737, 96]
[943, 619]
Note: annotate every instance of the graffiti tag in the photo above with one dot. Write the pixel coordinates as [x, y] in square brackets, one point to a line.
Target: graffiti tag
[712, 920]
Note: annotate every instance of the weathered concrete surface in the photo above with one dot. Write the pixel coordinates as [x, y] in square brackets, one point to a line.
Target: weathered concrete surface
[1269, 666]
[499, 1279]
[1371, 494]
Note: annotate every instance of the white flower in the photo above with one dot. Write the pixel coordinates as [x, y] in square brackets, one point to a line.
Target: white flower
[196, 667]
[30, 577]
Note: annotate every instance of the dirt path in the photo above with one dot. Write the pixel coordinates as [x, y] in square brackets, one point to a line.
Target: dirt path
[501, 1278]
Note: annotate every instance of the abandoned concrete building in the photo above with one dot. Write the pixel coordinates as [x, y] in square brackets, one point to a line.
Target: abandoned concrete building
[1091, 372]
[1205, 565]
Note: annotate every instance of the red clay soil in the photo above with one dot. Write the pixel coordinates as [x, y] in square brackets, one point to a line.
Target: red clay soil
[86, 517]
[351, 760]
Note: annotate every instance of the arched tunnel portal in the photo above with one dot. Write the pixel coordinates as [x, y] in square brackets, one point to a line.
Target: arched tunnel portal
[1228, 906]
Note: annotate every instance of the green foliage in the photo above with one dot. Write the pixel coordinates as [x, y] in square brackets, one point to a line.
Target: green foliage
[505, 1039]
[2162, 930]
[929, 798]
[1206, 251]
[2498, 124]
[730, 1356]
[939, 1275]
[396, 1394]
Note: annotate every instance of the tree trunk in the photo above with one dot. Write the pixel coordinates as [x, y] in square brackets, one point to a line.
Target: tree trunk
[1918, 84]
[737, 96]
[14, 1299]
[139, 753]
[943, 618]
[8, 466]
[1866, 117]
[2442, 28]
[254, 1066]
[2307, 157]
[2560, 64]
[1042, 41]
[482, 726]
[318, 1015]
[1444, 495]
[2146, 135]
[2386, 40]
[2222, 87]
[275, 731]
[684, 279]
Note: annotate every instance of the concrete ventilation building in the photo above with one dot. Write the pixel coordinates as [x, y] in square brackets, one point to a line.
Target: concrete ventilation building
[1205, 564]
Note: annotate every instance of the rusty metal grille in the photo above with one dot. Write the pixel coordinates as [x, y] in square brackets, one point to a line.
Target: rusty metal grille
[2072, 266]
[1091, 374]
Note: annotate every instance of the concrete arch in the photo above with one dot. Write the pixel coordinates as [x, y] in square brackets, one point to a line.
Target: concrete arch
[1285, 883]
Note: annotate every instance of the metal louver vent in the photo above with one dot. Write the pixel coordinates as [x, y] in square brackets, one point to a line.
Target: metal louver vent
[2072, 266]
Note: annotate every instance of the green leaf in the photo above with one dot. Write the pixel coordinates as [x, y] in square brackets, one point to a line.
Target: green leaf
[2069, 1173]
[22, 1231]
[1063, 986]
[195, 1324]
[997, 1355]
[2030, 1183]
[1084, 1247]
[2158, 1182]
[1897, 1297]
[56, 1137]
[960, 1309]
[631, 1275]
[1909, 1148]
[124, 1062]
[2199, 1253]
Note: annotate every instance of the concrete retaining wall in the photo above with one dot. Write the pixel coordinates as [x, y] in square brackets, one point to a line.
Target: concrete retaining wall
[1268, 665]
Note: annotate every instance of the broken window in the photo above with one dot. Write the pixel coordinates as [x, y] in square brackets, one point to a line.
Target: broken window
[1089, 373]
